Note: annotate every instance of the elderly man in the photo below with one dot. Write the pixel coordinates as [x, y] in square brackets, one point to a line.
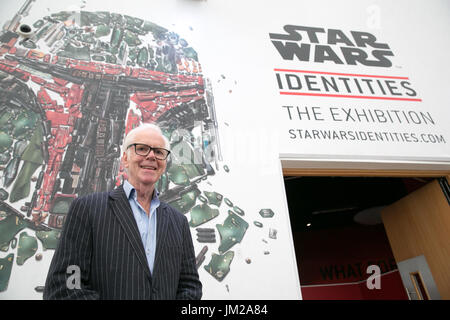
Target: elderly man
[126, 244]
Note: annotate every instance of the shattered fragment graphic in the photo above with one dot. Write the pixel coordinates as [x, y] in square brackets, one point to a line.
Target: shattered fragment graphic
[201, 257]
[272, 233]
[266, 213]
[231, 231]
[214, 198]
[228, 202]
[201, 214]
[5, 271]
[39, 289]
[14, 243]
[5, 248]
[3, 194]
[9, 227]
[186, 201]
[27, 248]
[238, 210]
[219, 266]
[49, 239]
[202, 199]
[178, 175]
[206, 235]
[258, 224]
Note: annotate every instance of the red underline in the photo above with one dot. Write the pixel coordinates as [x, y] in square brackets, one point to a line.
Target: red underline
[342, 74]
[346, 96]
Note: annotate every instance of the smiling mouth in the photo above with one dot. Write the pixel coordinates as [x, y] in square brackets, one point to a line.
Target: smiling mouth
[149, 167]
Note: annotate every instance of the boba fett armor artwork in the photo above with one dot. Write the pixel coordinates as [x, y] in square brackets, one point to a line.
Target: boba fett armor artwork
[70, 90]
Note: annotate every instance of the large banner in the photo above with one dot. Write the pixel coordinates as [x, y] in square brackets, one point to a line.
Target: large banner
[362, 89]
[235, 86]
[72, 85]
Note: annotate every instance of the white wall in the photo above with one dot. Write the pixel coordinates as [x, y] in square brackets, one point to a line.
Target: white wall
[232, 40]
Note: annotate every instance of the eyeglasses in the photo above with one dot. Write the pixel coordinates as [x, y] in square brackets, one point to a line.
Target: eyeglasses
[144, 150]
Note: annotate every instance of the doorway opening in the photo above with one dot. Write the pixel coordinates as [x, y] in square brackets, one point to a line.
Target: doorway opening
[338, 234]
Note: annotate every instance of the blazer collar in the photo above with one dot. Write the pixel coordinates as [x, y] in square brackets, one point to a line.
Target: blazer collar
[161, 233]
[122, 209]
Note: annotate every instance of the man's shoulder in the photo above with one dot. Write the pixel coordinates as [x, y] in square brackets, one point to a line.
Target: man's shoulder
[165, 206]
[170, 210]
[93, 198]
[95, 195]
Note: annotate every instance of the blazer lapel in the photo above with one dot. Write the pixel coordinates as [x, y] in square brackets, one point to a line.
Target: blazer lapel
[162, 219]
[122, 210]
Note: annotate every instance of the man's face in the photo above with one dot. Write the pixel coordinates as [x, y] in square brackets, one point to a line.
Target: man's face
[144, 170]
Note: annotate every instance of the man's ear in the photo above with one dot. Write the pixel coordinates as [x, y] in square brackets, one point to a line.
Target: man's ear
[125, 159]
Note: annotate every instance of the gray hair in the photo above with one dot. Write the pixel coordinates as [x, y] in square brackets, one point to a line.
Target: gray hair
[143, 127]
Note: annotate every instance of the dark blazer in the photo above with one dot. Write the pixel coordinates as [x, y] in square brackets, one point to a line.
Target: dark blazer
[101, 237]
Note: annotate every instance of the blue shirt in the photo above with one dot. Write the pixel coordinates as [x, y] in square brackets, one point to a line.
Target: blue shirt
[146, 223]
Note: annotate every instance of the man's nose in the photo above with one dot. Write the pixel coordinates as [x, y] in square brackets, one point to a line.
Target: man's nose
[151, 154]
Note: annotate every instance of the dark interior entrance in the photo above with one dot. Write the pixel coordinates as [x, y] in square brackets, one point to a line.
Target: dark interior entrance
[338, 234]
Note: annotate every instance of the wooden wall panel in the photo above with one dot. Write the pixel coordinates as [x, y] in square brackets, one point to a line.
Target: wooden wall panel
[420, 224]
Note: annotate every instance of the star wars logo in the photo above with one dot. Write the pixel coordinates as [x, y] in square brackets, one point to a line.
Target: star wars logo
[322, 45]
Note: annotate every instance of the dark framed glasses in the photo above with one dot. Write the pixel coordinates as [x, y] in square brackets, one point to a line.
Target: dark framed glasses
[144, 150]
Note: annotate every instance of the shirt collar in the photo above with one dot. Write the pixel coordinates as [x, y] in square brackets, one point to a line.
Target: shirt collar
[130, 191]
